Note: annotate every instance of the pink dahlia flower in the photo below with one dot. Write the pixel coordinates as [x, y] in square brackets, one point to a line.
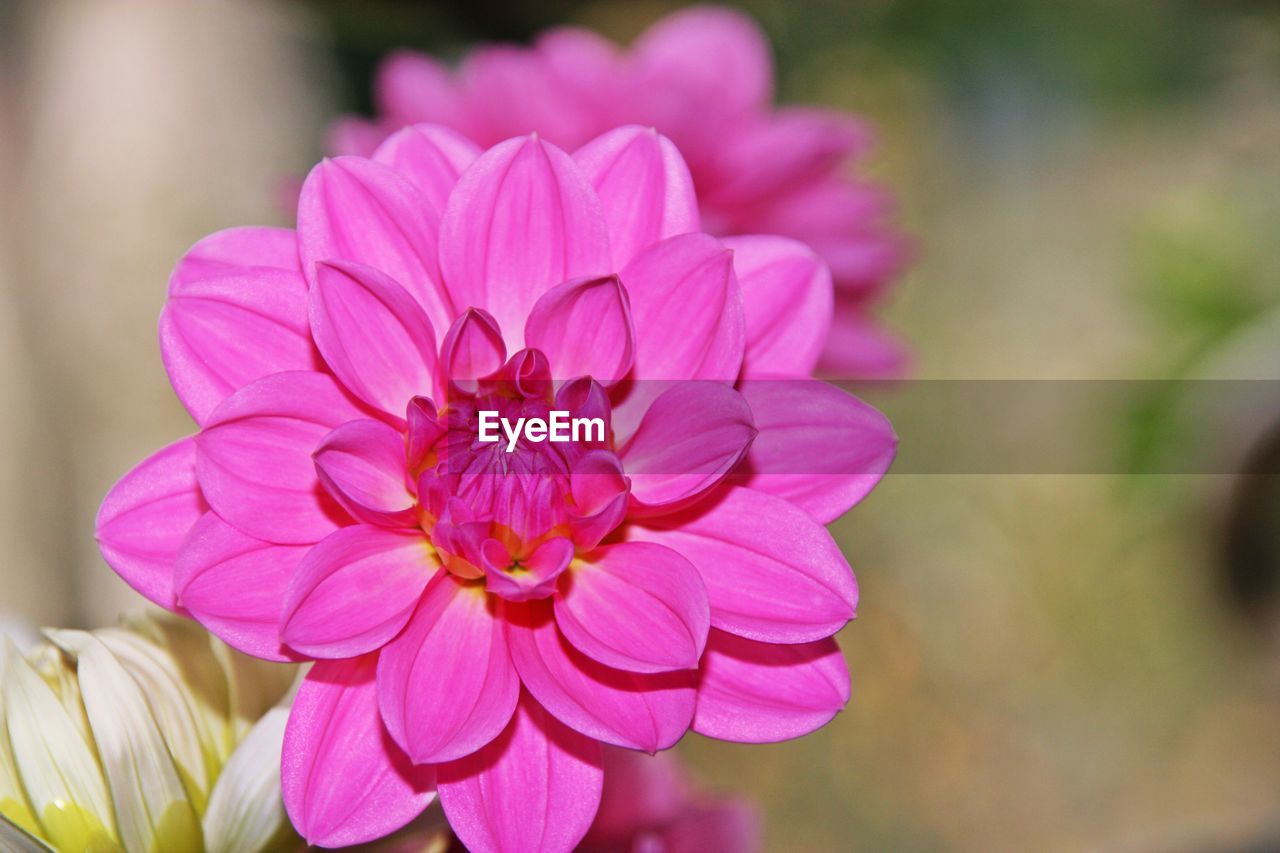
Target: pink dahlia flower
[484, 618]
[703, 77]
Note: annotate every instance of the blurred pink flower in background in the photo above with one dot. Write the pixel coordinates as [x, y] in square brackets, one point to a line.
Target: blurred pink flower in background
[483, 620]
[703, 77]
[650, 806]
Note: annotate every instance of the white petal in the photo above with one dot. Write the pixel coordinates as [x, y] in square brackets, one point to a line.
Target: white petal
[58, 768]
[14, 839]
[193, 732]
[246, 811]
[13, 800]
[152, 808]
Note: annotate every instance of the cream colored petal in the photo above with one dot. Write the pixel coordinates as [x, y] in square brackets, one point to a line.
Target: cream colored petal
[16, 839]
[196, 652]
[63, 780]
[152, 809]
[246, 812]
[192, 729]
[58, 670]
[13, 800]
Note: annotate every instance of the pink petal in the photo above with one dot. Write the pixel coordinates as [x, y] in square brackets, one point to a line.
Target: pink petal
[590, 71]
[430, 157]
[241, 285]
[635, 606]
[145, 517]
[446, 685]
[522, 219]
[344, 780]
[373, 335]
[353, 135]
[362, 464]
[537, 573]
[584, 328]
[233, 585]
[718, 825]
[772, 572]
[425, 430]
[641, 793]
[716, 55]
[692, 436]
[860, 349]
[786, 298]
[535, 788]
[644, 186]
[355, 590]
[635, 710]
[254, 457]
[511, 91]
[790, 148]
[355, 209]
[472, 349]
[600, 493]
[687, 310]
[819, 447]
[760, 693]
[411, 87]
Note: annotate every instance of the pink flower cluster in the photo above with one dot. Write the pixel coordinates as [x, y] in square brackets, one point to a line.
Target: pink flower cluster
[704, 78]
[483, 621]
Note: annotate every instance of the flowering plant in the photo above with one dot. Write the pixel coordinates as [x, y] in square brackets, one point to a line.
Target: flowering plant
[483, 620]
[147, 736]
[703, 77]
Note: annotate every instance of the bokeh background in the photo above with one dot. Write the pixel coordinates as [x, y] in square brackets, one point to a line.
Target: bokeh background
[1040, 661]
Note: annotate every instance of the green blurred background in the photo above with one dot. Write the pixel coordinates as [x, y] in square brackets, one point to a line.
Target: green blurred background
[1039, 662]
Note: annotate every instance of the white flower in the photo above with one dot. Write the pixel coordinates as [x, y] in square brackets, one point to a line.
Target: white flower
[148, 737]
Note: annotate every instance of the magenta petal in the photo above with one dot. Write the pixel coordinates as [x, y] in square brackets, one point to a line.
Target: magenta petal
[716, 55]
[860, 349]
[446, 685]
[644, 186]
[760, 693]
[522, 219]
[430, 157]
[362, 464]
[536, 575]
[354, 209]
[691, 437]
[242, 285]
[819, 447]
[425, 430]
[233, 585]
[772, 572]
[472, 349]
[584, 328]
[536, 788]
[786, 297]
[355, 590]
[635, 606]
[344, 780]
[687, 310]
[641, 793]
[373, 335]
[635, 710]
[254, 457]
[351, 135]
[412, 87]
[792, 147]
[145, 517]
